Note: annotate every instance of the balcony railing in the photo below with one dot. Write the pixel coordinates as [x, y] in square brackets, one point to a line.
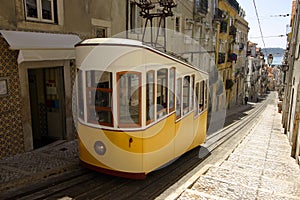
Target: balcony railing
[201, 6]
[219, 14]
[223, 27]
[221, 58]
[232, 57]
[234, 4]
[232, 30]
[241, 46]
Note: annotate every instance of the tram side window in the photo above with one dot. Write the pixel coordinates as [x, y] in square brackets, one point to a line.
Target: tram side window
[201, 99]
[178, 98]
[80, 95]
[172, 90]
[99, 97]
[197, 99]
[161, 93]
[205, 95]
[150, 97]
[129, 98]
[186, 94]
[192, 92]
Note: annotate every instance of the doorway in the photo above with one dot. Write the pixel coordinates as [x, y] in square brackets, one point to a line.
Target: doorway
[47, 104]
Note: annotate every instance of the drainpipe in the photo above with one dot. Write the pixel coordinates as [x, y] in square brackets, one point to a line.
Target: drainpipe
[127, 17]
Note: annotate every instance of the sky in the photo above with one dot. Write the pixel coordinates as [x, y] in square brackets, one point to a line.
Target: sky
[272, 24]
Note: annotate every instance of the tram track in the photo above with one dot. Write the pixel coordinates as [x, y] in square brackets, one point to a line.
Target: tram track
[219, 137]
[86, 184]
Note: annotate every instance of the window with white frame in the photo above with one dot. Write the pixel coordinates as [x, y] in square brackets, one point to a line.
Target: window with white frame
[177, 24]
[100, 32]
[40, 10]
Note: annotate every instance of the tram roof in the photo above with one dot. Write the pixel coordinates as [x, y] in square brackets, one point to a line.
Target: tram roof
[121, 41]
[130, 42]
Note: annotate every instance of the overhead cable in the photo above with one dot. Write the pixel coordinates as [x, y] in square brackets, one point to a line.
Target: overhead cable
[262, 37]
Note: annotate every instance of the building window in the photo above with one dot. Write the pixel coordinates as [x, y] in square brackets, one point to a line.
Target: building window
[201, 6]
[177, 24]
[101, 33]
[129, 99]
[41, 10]
[135, 18]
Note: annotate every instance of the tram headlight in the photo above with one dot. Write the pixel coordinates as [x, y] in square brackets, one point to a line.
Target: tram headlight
[99, 148]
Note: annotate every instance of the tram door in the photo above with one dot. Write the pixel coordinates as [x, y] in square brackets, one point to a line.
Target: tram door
[47, 103]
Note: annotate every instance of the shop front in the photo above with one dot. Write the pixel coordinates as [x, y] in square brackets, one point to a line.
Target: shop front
[42, 69]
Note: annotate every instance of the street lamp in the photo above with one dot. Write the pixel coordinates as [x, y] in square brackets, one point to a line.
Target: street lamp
[285, 67]
[270, 59]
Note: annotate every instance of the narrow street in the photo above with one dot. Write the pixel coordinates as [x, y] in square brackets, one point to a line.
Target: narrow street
[150, 99]
[215, 169]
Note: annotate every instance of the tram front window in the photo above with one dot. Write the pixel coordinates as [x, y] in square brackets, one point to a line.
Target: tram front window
[99, 97]
[129, 98]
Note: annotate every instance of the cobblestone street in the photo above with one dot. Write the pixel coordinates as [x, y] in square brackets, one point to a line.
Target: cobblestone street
[259, 168]
[32, 166]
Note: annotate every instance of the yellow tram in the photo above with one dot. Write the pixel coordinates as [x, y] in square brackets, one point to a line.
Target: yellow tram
[138, 108]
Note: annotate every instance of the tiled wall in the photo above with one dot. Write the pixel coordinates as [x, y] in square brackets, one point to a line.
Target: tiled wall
[73, 73]
[11, 131]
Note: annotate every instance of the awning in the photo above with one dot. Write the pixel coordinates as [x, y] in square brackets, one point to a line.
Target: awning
[41, 46]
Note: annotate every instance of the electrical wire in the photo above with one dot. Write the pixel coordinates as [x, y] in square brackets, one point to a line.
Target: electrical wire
[261, 33]
[272, 36]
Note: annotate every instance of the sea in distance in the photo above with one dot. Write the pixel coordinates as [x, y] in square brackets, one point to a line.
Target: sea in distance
[277, 61]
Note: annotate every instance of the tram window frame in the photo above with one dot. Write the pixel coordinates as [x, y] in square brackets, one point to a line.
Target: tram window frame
[178, 98]
[162, 93]
[131, 109]
[95, 90]
[150, 111]
[186, 87]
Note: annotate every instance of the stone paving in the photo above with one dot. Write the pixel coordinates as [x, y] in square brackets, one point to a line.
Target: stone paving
[41, 163]
[259, 168]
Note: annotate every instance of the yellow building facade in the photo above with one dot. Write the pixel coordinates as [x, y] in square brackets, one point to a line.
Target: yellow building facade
[231, 51]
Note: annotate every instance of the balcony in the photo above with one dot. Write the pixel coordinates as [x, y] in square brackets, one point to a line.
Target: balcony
[232, 30]
[201, 7]
[241, 46]
[219, 15]
[232, 57]
[228, 84]
[221, 58]
[223, 27]
[234, 4]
